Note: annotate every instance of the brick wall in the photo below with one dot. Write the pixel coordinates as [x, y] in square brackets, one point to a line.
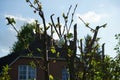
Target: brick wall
[55, 67]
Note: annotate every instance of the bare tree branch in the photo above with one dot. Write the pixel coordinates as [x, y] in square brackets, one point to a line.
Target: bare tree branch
[72, 18]
[54, 25]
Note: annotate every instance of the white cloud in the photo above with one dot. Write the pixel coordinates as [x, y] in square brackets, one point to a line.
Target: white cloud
[92, 16]
[21, 18]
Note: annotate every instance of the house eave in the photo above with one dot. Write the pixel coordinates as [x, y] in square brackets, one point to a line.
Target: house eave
[50, 58]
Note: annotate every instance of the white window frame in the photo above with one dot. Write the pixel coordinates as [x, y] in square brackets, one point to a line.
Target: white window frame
[27, 72]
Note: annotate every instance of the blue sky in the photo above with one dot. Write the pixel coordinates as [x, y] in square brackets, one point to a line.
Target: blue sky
[96, 12]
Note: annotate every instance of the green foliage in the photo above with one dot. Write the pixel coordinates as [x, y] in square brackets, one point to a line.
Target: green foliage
[39, 50]
[116, 62]
[32, 5]
[30, 54]
[91, 59]
[58, 54]
[10, 20]
[97, 67]
[70, 52]
[32, 64]
[35, 2]
[4, 75]
[51, 77]
[53, 50]
[69, 36]
[24, 37]
[117, 47]
[65, 17]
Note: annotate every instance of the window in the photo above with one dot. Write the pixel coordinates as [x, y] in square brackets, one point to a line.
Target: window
[26, 72]
[65, 74]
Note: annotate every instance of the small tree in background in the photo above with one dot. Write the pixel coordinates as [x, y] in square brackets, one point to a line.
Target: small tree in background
[91, 55]
[25, 37]
[116, 63]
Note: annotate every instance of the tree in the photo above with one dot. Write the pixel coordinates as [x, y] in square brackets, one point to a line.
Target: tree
[91, 61]
[116, 62]
[90, 53]
[25, 37]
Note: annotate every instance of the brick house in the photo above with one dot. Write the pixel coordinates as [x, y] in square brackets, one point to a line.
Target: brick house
[22, 70]
[19, 62]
